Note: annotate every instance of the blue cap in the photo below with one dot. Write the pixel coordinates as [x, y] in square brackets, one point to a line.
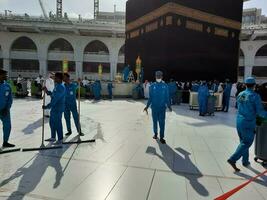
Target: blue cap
[159, 73]
[250, 80]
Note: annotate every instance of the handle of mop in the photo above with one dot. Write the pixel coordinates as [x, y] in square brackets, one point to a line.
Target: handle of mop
[79, 104]
[43, 121]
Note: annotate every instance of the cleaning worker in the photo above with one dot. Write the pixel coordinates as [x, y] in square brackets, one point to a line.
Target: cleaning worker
[125, 73]
[71, 105]
[50, 85]
[172, 91]
[97, 90]
[110, 87]
[57, 106]
[6, 101]
[250, 106]
[203, 94]
[159, 99]
[226, 95]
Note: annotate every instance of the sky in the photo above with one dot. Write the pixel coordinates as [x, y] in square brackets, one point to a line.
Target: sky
[84, 7]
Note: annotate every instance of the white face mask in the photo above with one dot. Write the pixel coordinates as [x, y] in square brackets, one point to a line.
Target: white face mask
[158, 80]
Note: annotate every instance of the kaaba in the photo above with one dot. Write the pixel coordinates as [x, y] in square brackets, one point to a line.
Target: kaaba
[186, 39]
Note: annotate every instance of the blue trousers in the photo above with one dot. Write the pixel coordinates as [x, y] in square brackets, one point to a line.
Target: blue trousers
[158, 116]
[55, 123]
[202, 106]
[226, 101]
[110, 93]
[6, 126]
[68, 110]
[246, 136]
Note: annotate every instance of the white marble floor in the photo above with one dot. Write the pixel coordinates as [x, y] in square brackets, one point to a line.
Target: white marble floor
[125, 163]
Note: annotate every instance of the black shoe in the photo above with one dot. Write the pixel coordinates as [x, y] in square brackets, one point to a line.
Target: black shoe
[155, 137]
[162, 141]
[81, 134]
[47, 116]
[8, 145]
[233, 165]
[68, 133]
[246, 164]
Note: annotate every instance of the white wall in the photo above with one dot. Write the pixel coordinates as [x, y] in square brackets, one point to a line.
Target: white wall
[78, 43]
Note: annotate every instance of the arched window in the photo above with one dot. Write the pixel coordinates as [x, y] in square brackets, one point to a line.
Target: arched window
[122, 51]
[24, 43]
[262, 51]
[60, 45]
[96, 47]
[241, 53]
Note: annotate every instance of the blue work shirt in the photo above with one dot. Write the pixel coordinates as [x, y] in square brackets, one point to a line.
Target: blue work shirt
[227, 90]
[203, 92]
[159, 96]
[195, 87]
[6, 98]
[249, 107]
[58, 98]
[172, 88]
[71, 93]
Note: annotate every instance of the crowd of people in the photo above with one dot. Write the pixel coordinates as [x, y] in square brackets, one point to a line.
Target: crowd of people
[61, 98]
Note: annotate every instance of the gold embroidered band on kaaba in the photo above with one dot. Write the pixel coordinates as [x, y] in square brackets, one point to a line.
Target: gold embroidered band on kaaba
[186, 12]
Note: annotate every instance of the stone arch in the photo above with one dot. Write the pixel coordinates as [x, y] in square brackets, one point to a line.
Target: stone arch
[24, 43]
[122, 50]
[262, 51]
[96, 47]
[61, 44]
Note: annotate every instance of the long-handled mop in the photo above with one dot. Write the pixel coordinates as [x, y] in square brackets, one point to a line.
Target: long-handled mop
[42, 147]
[9, 150]
[79, 141]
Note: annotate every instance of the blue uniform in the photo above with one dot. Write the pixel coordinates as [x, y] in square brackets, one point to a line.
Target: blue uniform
[57, 106]
[158, 99]
[203, 93]
[97, 90]
[110, 86]
[249, 106]
[172, 91]
[215, 87]
[195, 87]
[71, 106]
[125, 73]
[6, 101]
[226, 96]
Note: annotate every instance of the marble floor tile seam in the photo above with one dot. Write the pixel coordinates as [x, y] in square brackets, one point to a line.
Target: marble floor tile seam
[150, 186]
[83, 180]
[149, 168]
[116, 182]
[214, 158]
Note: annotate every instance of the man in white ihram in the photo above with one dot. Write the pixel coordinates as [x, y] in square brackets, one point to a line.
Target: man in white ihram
[50, 85]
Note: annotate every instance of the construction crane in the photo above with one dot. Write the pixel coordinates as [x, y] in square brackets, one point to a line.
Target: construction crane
[43, 9]
[96, 8]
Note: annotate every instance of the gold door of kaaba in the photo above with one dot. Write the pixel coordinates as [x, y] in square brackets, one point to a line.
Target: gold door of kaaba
[186, 39]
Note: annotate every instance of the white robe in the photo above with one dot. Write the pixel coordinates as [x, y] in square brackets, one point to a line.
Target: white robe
[146, 90]
[49, 84]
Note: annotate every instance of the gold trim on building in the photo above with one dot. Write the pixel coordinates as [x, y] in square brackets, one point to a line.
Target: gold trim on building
[194, 26]
[152, 26]
[134, 34]
[221, 32]
[168, 20]
[178, 9]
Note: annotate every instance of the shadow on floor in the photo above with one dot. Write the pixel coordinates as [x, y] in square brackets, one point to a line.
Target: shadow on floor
[33, 126]
[167, 151]
[261, 180]
[32, 175]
